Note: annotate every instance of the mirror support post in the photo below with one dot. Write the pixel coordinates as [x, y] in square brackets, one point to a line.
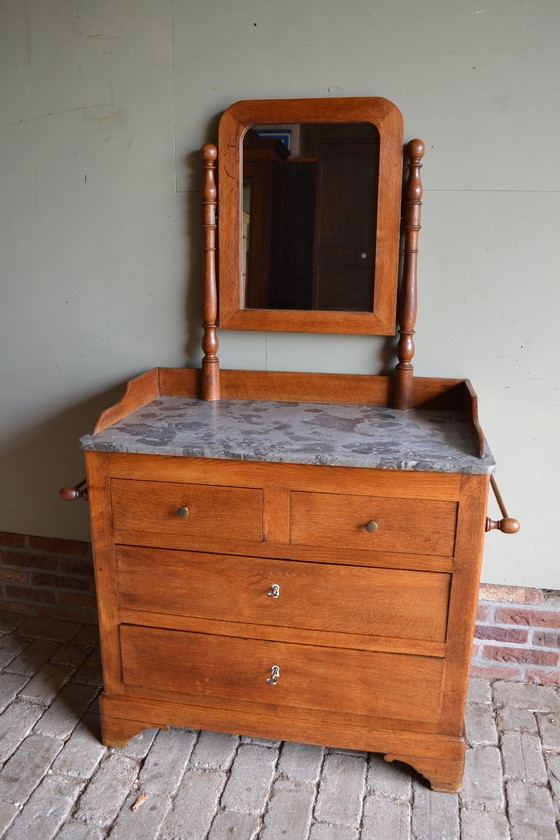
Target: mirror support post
[210, 362]
[408, 300]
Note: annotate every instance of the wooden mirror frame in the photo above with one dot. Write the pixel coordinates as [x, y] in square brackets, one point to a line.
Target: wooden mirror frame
[233, 125]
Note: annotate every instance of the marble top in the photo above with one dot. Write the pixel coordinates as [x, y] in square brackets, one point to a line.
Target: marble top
[297, 433]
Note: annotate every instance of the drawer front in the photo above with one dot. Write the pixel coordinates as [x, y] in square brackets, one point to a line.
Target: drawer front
[282, 593]
[415, 526]
[346, 681]
[187, 510]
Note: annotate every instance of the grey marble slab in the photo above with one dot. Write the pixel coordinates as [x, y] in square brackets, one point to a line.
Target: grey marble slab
[298, 433]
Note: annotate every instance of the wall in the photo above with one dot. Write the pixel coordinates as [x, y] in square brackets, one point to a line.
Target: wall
[104, 106]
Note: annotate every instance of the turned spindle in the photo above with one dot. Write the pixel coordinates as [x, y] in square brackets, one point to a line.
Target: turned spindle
[210, 362]
[408, 301]
[506, 525]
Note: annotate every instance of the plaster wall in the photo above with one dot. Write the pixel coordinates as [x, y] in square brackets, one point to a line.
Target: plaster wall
[104, 105]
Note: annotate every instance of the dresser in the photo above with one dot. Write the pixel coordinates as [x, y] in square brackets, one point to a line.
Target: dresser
[293, 556]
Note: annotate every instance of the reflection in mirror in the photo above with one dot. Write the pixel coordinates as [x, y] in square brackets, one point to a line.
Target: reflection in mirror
[310, 194]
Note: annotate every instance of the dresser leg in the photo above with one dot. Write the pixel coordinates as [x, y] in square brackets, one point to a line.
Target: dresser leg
[444, 775]
[116, 732]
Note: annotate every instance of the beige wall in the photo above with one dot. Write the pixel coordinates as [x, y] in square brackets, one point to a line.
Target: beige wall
[104, 106]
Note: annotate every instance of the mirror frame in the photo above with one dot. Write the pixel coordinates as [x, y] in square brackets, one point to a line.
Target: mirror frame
[234, 123]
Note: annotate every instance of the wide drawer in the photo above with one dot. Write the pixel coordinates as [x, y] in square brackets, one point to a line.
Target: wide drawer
[346, 681]
[187, 510]
[281, 593]
[416, 526]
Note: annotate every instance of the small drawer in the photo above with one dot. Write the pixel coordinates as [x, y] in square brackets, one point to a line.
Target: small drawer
[199, 510]
[372, 523]
[283, 593]
[283, 674]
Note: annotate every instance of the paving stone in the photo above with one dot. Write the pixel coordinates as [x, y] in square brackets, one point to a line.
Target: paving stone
[8, 812]
[79, 831]
[553, 766]
[391, 779]
[483, 781]
[483, 825]
[479, 691]
[549, 729]
[261, 742]
[88, 635]
[65, 711]
[11, 644]
[139, 745]
[25, 769]
[46, 683]
[537, 698]
[230, 824]
[90, 671]
[107, 791]
[5, 659]
[522, 757]
[195, 805]
[323, 831]
[481, 728]
[435, 816]
[144, 822]
[49, 628]
[341, 790]
[530, 812]
[83, 751]
[15, 723]
[214, 750]
[36, 654]
[72, 654]
[517, 719]
[167, 760]
[9, 621]
[386, 818]
[300, 762]
[46, 810]
[250, 779]
[10, 685]
[289, 810]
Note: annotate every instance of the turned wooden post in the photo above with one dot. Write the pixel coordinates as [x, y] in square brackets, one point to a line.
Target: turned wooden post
[408, 301]
[210, 362]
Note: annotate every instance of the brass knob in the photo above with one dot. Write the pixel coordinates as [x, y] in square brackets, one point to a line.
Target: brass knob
[182, 512]
[371, 526]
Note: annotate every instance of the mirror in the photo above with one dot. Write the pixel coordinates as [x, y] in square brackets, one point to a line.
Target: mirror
[309, 215]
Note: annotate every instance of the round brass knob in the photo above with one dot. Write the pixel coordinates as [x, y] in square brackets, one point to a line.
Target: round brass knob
[182, 512]
[371, 526]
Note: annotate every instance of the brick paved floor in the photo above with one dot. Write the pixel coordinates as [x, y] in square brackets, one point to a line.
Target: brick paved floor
[57, 781]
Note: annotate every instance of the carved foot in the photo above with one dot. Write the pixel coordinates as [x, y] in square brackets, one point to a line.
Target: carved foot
[444, 775]
[116, 732]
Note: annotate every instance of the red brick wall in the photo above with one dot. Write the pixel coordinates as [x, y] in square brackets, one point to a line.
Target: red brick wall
[47, 577]
[517, 634]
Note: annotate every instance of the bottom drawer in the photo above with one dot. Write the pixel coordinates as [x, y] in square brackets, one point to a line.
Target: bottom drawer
[347, 681]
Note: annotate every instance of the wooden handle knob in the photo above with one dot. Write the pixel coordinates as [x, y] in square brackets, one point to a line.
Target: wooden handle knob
[507, 525]
[70, 494]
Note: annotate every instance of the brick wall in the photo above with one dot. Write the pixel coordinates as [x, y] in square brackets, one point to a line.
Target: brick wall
[47, 577]
[517, 634]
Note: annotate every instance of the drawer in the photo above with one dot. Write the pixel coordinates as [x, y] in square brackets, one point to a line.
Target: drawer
[283, 593]
[178, 509]
[416, 526]
[338, 680]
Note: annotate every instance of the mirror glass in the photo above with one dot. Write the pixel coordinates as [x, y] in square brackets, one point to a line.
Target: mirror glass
[309, 216]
